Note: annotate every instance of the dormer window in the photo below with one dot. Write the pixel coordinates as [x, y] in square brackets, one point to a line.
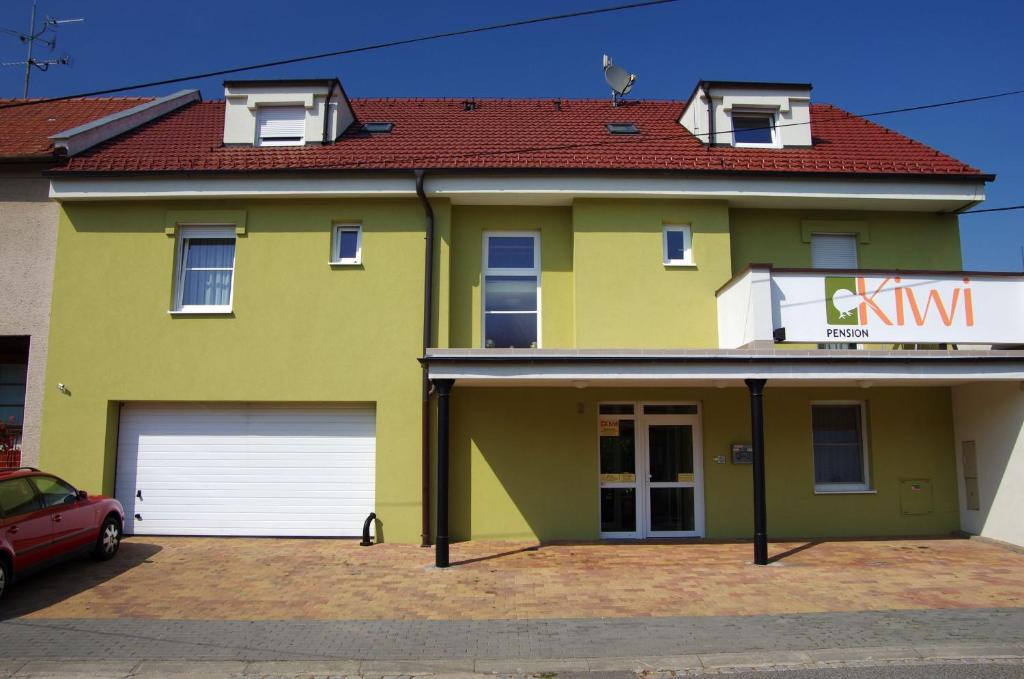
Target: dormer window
[280, 126]
[753, 128]
[747, 114]
[285, 112]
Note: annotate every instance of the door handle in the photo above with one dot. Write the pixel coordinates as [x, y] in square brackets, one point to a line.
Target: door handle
[12, 530]
[56, 517]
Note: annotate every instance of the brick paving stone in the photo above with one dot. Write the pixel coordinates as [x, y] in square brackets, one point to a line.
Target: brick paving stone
[218, 579]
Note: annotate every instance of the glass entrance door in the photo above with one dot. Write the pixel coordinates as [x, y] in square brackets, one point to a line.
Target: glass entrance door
[672, 490]
[618, 467]
[650, 471]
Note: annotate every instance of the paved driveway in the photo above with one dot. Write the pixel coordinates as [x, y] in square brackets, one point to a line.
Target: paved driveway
[279, 579]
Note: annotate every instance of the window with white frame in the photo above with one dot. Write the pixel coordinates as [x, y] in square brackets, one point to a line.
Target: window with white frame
[347, 244]
[677, 248]
[206, 269]
[280, 125]
[840, 455]
[754, 128]
[511, 290]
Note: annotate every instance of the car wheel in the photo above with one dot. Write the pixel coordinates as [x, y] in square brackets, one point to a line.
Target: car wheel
[109, 540]
[5, 577]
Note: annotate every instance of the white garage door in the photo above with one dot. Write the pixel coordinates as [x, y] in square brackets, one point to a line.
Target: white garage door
[245, 469]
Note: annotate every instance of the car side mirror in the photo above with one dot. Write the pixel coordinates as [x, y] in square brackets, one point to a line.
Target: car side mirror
[83, 495]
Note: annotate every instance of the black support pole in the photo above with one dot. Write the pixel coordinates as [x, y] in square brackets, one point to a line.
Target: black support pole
[444, 390]
[756, 388]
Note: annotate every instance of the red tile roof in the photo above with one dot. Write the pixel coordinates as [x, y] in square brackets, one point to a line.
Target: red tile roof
[516, 134]
[25, 130]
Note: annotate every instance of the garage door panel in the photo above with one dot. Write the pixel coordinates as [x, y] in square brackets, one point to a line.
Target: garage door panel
[246, 469]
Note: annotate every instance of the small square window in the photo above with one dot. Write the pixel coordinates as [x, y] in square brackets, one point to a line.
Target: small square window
[677, 249]
[347, 246]
[753, 129]
[206, 269]
[623, 128]
[378, 128]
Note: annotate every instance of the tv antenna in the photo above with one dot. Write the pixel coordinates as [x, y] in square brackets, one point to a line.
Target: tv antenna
[618, 79]
[45, 34]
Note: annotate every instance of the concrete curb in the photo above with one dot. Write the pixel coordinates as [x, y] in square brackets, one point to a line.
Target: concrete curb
[681, 665]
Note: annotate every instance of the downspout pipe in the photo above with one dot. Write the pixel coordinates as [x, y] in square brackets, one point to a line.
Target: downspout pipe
[428, 314]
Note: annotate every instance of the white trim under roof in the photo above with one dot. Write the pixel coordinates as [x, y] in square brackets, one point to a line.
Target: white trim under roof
[83, 137]
[918, 194]
[583, 368]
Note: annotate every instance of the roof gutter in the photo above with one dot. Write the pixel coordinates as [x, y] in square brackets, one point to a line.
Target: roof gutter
[428, 314]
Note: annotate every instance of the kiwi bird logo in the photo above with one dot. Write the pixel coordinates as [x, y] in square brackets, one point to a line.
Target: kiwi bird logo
[845, 301]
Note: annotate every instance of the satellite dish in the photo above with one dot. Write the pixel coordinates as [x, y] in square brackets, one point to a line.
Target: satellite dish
[620, 80]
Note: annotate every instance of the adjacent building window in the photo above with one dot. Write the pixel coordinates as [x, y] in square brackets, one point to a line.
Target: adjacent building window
[677, 249]
[280, 126]
[347, 244]
[840, 458]
[511, 290]
[206, 269]
[13, 377]
[750, 128]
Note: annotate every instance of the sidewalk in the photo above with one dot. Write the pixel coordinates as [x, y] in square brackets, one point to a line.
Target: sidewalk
[1010, 658]
[136, 647]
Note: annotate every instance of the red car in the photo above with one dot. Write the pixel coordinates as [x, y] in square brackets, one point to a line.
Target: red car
[44, 520]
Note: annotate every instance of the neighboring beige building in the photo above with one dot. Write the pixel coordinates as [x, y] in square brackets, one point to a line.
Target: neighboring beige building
[38, 136]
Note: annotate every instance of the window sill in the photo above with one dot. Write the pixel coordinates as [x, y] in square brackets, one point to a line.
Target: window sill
[862, 491]
[213, 311]
[680, 265]
[346, 263]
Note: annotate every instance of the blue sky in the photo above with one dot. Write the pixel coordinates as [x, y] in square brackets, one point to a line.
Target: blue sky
[863, 56]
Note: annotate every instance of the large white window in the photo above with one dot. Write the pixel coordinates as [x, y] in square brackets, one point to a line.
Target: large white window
[511, 290]
[754, 128]
[677, 248]
[840, 454]
[206, 269]
[280, 125]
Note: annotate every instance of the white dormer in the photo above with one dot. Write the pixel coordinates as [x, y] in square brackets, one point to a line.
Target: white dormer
[285, 112]
[746, 114]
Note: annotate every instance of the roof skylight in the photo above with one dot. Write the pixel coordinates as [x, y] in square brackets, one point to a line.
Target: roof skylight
[623, 128]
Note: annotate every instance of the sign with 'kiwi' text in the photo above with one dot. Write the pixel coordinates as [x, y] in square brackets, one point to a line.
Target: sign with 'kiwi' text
[899, 308]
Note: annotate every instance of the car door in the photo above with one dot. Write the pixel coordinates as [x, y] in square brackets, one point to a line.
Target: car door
[73, 519]
[27, 526]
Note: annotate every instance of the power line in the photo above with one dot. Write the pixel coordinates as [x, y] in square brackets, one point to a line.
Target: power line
[994, 209]
[354, 50]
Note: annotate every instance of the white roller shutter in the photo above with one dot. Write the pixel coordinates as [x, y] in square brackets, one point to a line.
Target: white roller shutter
[281, 125]
[833, 251]
[245, 469]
